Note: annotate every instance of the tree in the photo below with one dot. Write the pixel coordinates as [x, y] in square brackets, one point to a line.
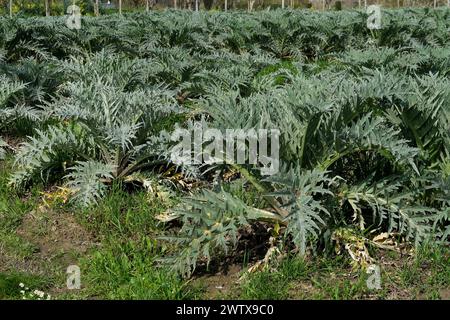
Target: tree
[250, 4]
[47, 8]
[208, 4]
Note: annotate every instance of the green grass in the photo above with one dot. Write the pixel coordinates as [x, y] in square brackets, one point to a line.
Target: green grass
[340, 288]
[13, 248]
[16, 247]
[12, 210]
[428, 272]
[121, 215]
[296, 268]
[265, 285]
[10, 284]
[124, 263]
[426, 276]
[13, 206]
[128, 271]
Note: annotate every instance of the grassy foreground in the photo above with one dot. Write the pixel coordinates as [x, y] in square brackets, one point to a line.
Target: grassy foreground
[114, 246]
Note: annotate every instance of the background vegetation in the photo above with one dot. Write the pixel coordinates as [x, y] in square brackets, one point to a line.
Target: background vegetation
[59, 7]
[87, 179]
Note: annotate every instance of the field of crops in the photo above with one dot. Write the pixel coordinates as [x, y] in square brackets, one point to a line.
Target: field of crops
[362, 173]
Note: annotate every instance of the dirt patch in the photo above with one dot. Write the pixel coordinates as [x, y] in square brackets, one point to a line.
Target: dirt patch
[445, 294]
[302, 290]
[54, 234]
[52, 241]
[222, 283]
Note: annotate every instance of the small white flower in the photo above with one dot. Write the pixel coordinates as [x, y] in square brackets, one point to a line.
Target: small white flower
[48, 297]
[22, 292]
[39, 293]
[21, 285]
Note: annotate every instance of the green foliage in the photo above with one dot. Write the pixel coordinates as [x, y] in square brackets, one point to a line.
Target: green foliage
[265, 285]
[85, 180]
[10, 284]
[12, 109]
[390, 202]
[125, 265]
[126, 270]
[364, 117]
[306, 216]
[108, 129]
[3, 146]
[44, 156]
[210, 227]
